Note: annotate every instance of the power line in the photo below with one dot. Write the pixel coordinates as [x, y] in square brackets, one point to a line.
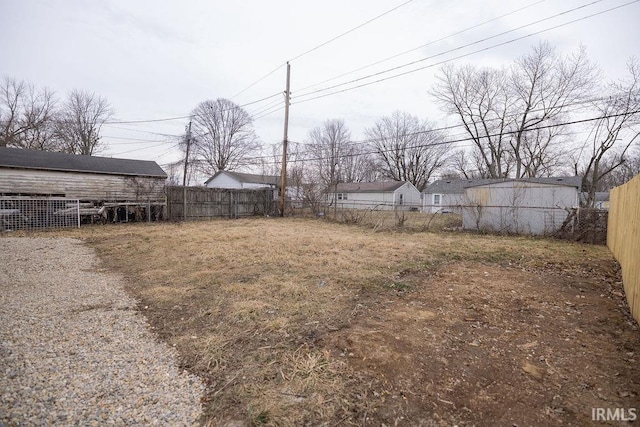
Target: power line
[186, 117]
[132, 151]
[259, 100]
[452, 141]
[269, 106]
[124, 122]
[258, 81]
[422, 46]
[506, 117]
[278, 108]
[369, 140]
[167, 151]
[459, 48]
[143, 131]
[318, 47]
[349, 31]
[134, 140]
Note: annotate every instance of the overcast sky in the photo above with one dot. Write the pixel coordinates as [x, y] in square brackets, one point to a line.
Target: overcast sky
[158, 59]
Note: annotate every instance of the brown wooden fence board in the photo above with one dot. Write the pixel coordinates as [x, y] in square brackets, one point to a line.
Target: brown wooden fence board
[208, 203]
[623, 238]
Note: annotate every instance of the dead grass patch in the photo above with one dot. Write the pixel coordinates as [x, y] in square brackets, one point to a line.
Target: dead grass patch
[304, 322]
[390, 220]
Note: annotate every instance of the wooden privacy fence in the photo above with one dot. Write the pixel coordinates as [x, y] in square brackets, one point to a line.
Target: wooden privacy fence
[623, 238]
[207, 203]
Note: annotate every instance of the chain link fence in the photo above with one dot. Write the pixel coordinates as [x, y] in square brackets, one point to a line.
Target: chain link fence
[585, 225]
[25, 213]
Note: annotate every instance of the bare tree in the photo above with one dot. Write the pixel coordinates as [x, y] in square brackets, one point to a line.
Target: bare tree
[26, 116]
[359, 164]
[10, 111]
[479, 98]
[272, 164]
[620, 121]
[193, 175]
[504, 112]
[542, 152]
[39, 116]
[79, 122]
[543, 85]
[12, 95]
[328, 144]
[297, 170]
[224, 135]
[297, 174]
[408, 150]
[174, 172]
[620, 175]
[462, 165]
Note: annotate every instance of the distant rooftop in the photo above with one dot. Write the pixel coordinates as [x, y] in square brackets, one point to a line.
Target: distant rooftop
[249, 178]
[453, 186]
[48, 160]
[369, 187]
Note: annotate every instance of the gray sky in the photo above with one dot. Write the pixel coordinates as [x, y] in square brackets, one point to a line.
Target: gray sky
[159, 59]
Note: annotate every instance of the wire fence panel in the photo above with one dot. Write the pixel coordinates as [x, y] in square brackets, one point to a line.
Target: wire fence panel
[25, 213]
[591, 226]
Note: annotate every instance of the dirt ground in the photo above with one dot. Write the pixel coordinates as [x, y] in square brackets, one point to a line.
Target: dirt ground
[300, 322]
[488, 345]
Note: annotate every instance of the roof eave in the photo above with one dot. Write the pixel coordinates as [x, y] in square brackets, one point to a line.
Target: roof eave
[82, 171]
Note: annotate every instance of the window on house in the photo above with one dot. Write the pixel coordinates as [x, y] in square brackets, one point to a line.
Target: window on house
[401, 198]
[342, 196]
[437, 199]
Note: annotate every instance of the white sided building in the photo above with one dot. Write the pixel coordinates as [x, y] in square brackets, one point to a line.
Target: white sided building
[385, 195]
[535, 206]
[244, 181]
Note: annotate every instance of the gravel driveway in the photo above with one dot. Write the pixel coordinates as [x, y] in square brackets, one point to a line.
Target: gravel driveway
[73, 348]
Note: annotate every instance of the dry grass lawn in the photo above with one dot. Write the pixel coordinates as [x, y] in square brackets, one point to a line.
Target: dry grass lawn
[303, 322]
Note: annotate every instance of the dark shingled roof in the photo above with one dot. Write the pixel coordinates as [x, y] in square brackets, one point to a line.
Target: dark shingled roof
[249, 178]
[369, 187]
[47, 160]
[453, 186]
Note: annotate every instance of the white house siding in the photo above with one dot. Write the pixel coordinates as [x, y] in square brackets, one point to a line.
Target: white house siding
[518, 207]
[369, 200]
[226, 181]
[411, 197]
[387, 200]
[83, 186]
[449, 203]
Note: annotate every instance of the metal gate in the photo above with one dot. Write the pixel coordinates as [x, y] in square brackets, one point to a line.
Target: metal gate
[26, 213]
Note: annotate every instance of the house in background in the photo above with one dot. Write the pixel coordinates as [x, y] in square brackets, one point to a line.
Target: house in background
[446, 195]
[601, 200]
[536, 206]
[245, 181]
[86, 178]
[384, 195]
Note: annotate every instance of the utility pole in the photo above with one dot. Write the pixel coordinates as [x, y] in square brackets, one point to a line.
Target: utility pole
[184, 176]
[285, 140]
